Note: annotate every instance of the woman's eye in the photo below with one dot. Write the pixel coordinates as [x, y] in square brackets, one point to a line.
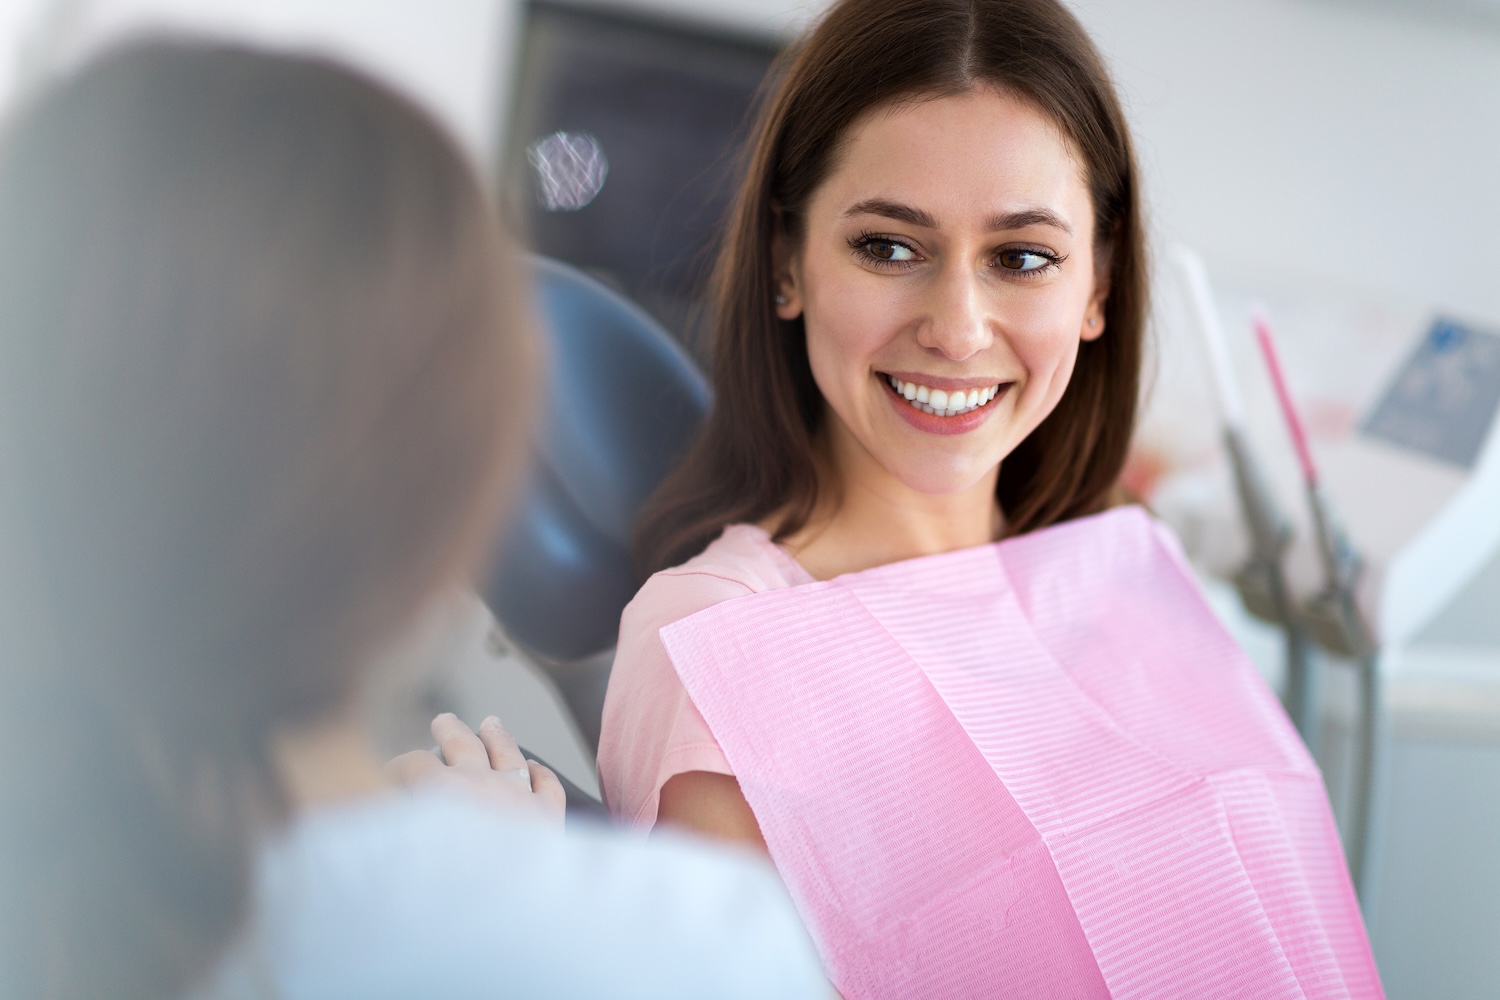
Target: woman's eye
[1024, 260]
[888, 251]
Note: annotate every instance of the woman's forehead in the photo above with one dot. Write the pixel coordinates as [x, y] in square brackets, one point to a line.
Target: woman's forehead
[979, 155]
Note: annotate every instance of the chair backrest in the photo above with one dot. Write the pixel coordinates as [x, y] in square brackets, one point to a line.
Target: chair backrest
[623, 402]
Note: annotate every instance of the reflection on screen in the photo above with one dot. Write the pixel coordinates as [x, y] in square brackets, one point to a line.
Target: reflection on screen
[625, 145]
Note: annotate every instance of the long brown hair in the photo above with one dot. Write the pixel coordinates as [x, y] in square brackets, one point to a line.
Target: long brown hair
[756, 455]
[259, 371]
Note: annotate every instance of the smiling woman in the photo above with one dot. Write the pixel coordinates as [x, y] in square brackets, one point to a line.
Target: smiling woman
[940, 200]
[987, 132]
[951, 249]
[930, 306]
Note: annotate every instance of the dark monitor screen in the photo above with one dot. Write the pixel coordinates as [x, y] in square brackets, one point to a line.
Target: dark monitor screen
[625, 145]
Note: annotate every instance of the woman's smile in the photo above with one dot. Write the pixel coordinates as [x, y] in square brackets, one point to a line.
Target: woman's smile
[943, 406]
[949, 257]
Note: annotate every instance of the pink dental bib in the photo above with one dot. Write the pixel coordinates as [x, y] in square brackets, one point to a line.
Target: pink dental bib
[1033, 769]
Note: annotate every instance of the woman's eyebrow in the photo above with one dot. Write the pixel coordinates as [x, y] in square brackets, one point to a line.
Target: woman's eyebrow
[893, 210]
[1029, 217]
[995, 223]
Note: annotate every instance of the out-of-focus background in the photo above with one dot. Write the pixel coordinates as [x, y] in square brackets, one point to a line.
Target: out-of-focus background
[1335, 161]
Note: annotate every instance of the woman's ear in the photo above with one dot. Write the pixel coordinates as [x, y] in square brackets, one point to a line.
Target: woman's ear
[786, 280]
[1093, 319]
[1093, 316]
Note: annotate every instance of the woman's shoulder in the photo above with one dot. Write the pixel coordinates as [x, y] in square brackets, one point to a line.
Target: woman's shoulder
[744, 554]
[742, 560]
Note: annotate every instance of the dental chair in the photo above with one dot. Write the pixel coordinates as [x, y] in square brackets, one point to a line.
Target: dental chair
[623, 402]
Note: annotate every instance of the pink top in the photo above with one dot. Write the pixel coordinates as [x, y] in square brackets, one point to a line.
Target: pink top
[651, 730]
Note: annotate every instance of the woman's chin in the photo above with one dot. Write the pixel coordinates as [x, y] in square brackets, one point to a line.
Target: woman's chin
[942, 479]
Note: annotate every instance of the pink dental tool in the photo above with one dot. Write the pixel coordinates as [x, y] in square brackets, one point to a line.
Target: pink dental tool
[1261, 580]
[1333, 616]
[1267, 342]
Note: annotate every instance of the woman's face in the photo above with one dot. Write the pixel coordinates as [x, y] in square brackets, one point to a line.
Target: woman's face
[946, 278]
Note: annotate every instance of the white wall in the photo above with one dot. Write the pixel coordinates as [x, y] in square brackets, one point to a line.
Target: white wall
[443, 53]
[1319, 142]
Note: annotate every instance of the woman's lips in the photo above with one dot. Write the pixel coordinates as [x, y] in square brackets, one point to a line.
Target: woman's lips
[920, 413]
[944, 399]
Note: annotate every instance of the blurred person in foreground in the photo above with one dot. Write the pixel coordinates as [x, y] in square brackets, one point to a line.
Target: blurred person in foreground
[263, 378]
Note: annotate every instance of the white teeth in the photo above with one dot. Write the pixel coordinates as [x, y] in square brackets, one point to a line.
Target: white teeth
[939, 401]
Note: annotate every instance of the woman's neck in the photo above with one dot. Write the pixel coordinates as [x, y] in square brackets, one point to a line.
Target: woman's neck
[869, 518]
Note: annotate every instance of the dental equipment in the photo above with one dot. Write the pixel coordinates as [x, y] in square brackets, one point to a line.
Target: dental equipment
[1261, 579]
[1333, 615]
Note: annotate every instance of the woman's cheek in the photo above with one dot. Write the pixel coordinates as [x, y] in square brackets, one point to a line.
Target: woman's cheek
[1048, 361]
[833, 354]
[842, 342]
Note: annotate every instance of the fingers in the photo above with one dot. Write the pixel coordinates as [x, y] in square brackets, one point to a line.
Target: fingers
[548, 790]
[504, 755]
[460, 746]
[487, 764]
[414, 766]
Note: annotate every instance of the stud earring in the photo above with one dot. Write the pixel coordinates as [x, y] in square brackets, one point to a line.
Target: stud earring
[1093, 321]
[781, 300]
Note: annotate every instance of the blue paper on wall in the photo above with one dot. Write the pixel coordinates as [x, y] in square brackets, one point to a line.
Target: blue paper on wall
[1444, 398]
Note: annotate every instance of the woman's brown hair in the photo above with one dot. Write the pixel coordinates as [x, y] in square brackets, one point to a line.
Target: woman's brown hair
[756, 456]
[259, 378]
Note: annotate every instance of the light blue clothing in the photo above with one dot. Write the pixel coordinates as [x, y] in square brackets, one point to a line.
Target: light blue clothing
[428, 896]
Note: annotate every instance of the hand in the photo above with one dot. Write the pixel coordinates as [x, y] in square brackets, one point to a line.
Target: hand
[487, 764]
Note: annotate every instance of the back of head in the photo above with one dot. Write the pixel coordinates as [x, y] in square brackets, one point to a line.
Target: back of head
[257, 380]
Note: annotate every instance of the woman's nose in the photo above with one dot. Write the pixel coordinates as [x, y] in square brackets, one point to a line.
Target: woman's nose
[957, 323]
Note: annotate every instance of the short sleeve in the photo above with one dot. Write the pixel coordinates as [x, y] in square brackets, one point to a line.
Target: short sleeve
[651, 730]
